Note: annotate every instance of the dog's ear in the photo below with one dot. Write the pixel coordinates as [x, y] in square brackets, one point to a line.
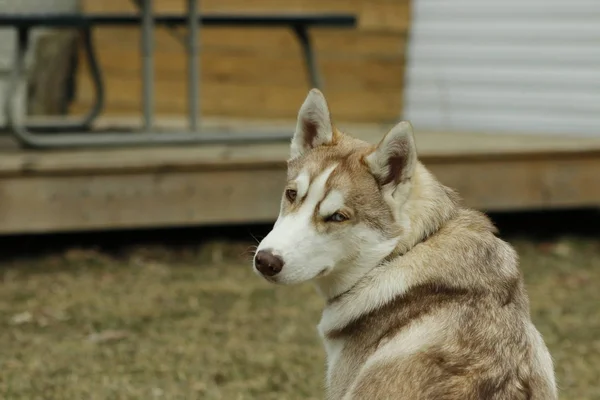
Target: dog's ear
[314, 127]
[395, 157]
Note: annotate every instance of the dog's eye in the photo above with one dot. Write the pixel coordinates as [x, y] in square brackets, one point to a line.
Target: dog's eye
[337, 217]
[291, 194]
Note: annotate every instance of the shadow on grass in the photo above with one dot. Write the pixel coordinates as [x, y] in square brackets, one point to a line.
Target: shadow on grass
[538, 225]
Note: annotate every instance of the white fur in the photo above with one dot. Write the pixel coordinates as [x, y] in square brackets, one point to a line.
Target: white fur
[315, 111]
[333, 349]
[421, 333]
[295, 239]
[543, 357]
[368, 248]
[417, 337]
[340, 259]
[332, 203]
[388, 283]
[302, 183]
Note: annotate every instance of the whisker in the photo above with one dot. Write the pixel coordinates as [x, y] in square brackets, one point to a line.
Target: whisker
[250, 251]
[255, 238]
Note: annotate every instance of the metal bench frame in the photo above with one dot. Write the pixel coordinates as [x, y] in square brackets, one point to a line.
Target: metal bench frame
[79, 135]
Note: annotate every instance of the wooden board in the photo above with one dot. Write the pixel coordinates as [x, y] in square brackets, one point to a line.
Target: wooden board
[51, 191]
[134, 200]
[244, 100]
[169, 198]
[328, 42]
[339, 73]
[438, 147]
[375, 15]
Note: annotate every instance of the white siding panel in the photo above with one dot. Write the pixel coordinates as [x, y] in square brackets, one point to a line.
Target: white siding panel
[505, 66]
[513, 9]
[519, 73]
[576, 55]
[464, 119]
[576, 102]
[508, 29]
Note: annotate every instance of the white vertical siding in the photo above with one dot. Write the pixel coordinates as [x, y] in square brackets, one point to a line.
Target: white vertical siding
[519, 66]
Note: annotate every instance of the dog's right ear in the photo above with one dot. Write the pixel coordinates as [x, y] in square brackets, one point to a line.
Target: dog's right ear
[314, 127]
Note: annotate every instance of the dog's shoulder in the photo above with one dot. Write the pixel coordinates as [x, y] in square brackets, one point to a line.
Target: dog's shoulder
[464, 331]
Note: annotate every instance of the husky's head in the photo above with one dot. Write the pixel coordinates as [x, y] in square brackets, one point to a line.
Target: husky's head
[341, 208]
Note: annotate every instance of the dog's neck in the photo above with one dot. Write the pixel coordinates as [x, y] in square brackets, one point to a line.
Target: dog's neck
[428, 206]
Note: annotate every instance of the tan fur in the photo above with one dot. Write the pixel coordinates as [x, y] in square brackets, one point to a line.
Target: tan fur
[350, 177]
[445, 315]
[469, 279]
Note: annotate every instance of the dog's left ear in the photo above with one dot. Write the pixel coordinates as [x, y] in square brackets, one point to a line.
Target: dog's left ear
[395, 157]
[314, 127]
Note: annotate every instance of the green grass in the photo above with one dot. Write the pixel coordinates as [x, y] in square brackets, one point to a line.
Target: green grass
[198, 324]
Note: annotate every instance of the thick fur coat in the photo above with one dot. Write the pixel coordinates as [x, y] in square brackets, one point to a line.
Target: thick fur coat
[423, 300]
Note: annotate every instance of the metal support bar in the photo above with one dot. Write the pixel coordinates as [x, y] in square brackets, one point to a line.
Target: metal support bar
[147, 45]
[193, 48]
[314, 76]
[87, 139]
[96, 74]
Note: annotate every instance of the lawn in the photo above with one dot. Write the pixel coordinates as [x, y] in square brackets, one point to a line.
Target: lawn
[195, 323]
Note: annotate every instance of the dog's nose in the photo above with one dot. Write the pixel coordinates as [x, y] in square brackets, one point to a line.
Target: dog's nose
[268, 263]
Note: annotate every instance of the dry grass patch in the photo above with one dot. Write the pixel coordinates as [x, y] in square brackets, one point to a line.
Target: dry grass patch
[198, 324]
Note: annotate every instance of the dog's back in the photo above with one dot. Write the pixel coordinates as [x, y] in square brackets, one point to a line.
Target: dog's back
[461, 331]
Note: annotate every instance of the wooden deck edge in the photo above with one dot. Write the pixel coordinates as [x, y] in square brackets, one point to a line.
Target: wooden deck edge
[210, 158]
[185, 197]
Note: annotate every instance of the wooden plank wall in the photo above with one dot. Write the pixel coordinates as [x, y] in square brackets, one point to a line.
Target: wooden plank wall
[258, 72]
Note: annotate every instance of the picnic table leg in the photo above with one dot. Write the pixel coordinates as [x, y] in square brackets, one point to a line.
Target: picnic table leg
[89, 139]
[15, 79]
[86, 121]
[147, 45]
[66, 126]
[193, 65]
[314, 74]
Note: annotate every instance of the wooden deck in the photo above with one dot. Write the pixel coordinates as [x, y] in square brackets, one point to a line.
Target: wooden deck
[52, 191]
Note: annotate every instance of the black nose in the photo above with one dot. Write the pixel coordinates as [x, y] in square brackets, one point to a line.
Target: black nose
[268, 263]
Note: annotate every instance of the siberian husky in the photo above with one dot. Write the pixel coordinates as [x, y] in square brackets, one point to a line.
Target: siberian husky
[423, 301]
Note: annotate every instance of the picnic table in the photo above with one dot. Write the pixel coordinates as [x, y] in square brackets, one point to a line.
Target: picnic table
[77, 133]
